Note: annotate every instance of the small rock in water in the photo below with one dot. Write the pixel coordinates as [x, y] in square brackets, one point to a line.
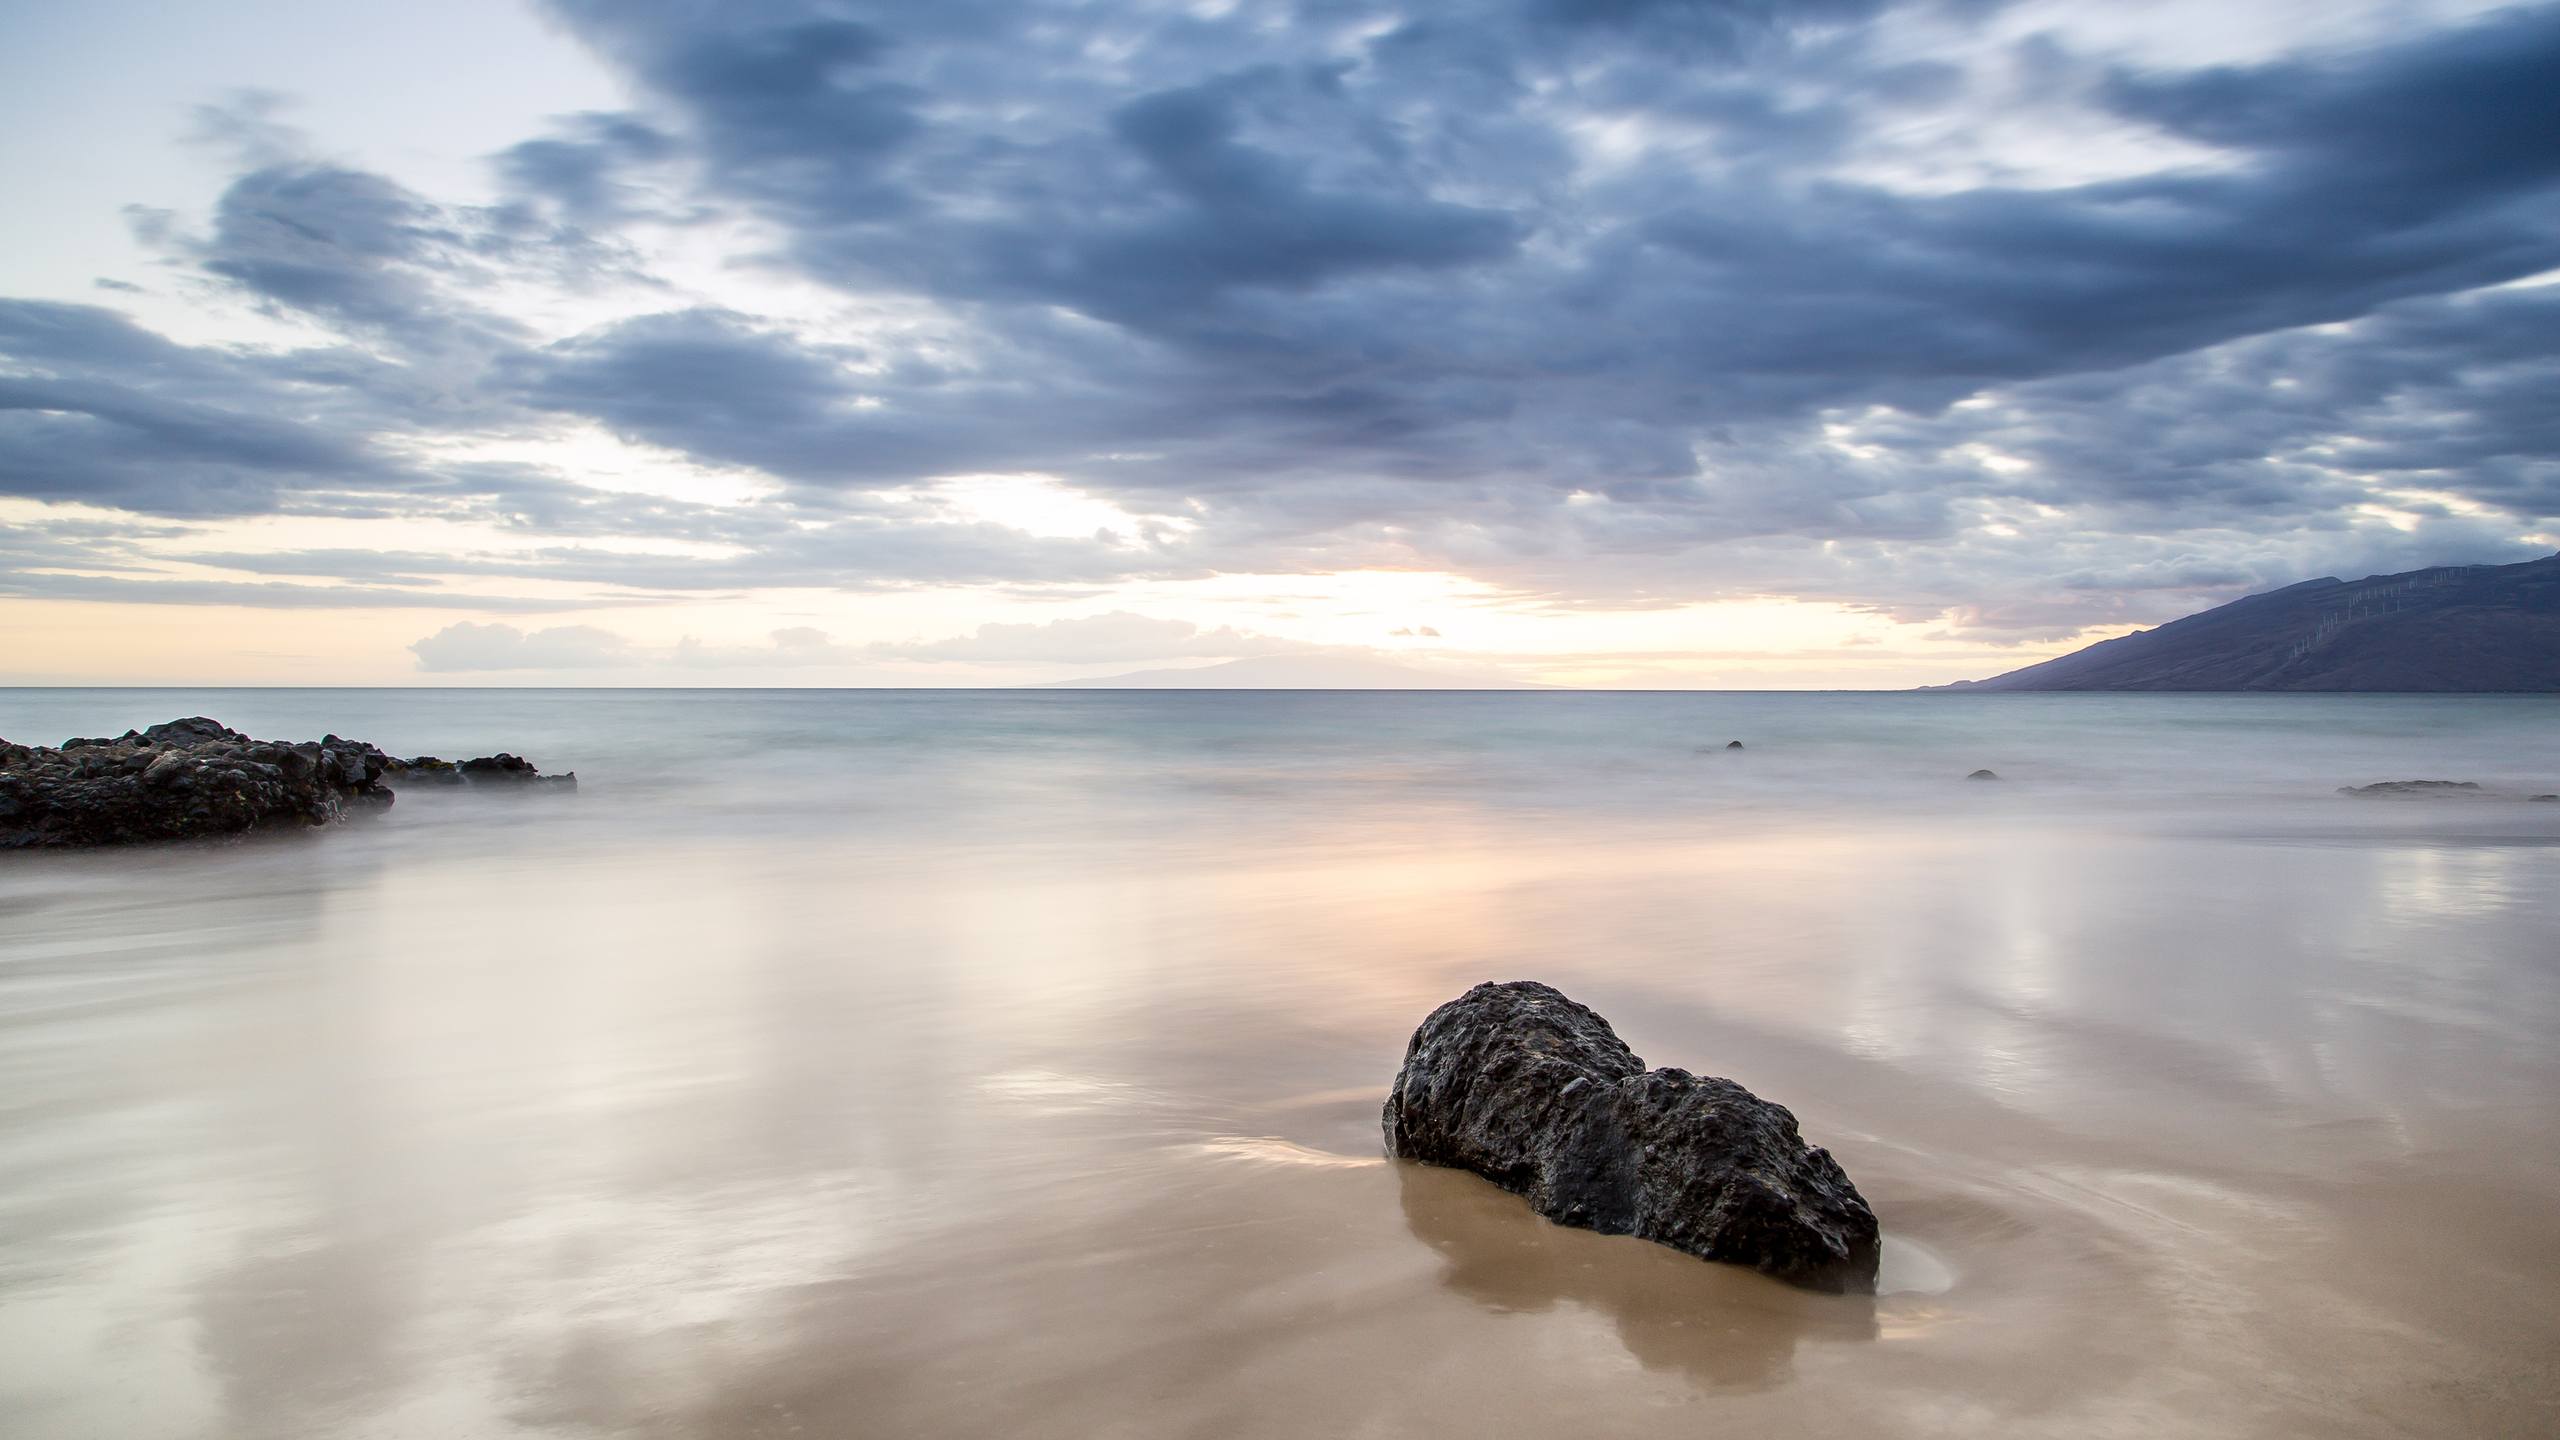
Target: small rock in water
[1537, 1094]
[1733, 744]
[1982, 775]
[2414, 789]
[2542, 797]
[505, 769]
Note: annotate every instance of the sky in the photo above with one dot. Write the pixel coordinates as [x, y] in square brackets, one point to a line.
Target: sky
[1755, 344]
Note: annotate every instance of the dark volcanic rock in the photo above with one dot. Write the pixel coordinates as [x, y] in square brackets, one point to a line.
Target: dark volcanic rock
[192, 778]
[504, 769]
[2417, 790]
[1537, 1094]
[1982, 775]
[427, 769]
[194, 730]
[501, 772]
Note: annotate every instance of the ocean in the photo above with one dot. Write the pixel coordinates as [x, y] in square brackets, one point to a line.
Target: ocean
[1001, 1063]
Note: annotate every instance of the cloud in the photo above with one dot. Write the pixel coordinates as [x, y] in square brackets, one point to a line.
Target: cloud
[589, 169]
[792, 646]
[250, 595]
[1090, 639]
[1277, 221]
[1678, 343]
[469, 646]
[97, 409]
[1614, 304]
[712, 384]
[93, 407]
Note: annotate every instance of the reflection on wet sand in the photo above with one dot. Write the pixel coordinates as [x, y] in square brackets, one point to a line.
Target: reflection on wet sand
[1038, 1106]
[1720, 1327]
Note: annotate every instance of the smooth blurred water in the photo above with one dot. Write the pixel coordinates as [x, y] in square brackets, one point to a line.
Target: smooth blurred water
[991, 1063]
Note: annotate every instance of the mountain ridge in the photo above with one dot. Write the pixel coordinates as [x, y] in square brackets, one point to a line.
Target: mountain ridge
[2447, 629]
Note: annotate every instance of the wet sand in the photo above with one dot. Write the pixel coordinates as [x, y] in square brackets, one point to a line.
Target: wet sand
[539, 1123]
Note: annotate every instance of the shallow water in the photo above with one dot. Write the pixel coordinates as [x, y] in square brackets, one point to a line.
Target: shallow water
[992, 1064]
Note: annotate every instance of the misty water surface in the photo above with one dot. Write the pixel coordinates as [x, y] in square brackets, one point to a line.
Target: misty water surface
[941, 1063]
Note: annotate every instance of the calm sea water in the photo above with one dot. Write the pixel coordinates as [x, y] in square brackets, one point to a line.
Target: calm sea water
[1005, 1063]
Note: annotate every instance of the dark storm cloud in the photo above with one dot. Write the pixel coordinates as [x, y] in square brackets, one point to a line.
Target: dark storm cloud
[710, 383]
[1328, 259]
[1608, 302]
[790, 111]
[338, 243]
[2447, 395]
[586, 169]
[1266, 215]
[1245, 217]
[94, 408]
[2446, 120]
[360, 252]
[1720, 26]
[2353, 183]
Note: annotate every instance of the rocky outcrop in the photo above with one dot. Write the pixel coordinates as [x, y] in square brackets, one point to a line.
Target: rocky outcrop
[2433, 790]
[1982, 775]
[505, 769]
[2417, 790]
[500, 771]
[196, 777]
[1537, 1094]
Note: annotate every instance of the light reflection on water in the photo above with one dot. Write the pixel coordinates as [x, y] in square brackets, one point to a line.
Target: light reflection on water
[1004, 1065]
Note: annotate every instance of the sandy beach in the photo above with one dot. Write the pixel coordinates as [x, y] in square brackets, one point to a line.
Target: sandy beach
[999, 1078]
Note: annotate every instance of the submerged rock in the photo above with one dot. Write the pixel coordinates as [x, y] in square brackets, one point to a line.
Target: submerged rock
[1537, 1094]
[2416, 789]
[191, 778]
[505, 769]
[500, 771]
[426, 770]
[1982, 775]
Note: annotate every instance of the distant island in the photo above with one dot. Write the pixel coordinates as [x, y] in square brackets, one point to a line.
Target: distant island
[2450, 629]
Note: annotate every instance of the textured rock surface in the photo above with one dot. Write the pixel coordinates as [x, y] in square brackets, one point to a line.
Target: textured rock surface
[197, 777]
[505, 769]
[1537, 1094]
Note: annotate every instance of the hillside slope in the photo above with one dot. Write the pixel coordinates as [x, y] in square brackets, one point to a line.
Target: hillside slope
[2454, 628]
